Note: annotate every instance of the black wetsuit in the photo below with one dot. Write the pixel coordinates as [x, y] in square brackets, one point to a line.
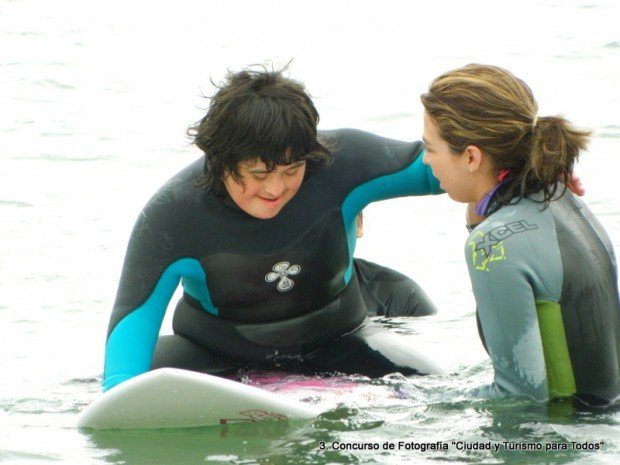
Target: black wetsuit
[281, 292]
[386, 292]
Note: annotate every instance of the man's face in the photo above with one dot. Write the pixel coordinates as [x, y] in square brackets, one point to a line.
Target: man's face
[263, 193]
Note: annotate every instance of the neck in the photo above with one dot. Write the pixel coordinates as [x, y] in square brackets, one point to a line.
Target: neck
[485, 194]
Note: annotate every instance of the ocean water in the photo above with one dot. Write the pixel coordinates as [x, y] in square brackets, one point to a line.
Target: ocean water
[95, 98]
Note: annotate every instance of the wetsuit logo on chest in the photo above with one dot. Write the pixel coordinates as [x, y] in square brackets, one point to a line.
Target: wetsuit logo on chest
[282, 271]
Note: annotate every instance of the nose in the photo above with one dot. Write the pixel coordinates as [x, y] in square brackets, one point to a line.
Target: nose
[274, 185]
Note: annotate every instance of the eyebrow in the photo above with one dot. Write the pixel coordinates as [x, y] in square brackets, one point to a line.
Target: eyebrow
[294, 165]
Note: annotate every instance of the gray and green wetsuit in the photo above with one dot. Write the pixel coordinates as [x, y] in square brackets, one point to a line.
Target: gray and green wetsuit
[546, 287]
[281, 292]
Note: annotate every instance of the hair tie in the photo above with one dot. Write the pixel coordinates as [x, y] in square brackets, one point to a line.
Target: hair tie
[503, 174]
[534, 122]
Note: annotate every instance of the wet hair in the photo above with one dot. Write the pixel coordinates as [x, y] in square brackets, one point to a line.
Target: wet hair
[255, 114]
[490, 108]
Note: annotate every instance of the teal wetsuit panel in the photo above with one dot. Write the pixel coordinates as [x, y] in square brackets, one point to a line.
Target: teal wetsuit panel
[130, 346]
[416, 179]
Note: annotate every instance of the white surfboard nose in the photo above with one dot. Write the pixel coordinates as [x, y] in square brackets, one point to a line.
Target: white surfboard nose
[174, 398]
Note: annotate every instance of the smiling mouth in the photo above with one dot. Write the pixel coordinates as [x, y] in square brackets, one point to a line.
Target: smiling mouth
[270, 202]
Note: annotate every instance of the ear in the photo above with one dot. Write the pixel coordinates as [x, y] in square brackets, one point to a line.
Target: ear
[473, 157]
[359, 220]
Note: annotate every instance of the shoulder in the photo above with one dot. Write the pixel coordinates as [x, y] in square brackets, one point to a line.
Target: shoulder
[167, 222]
[363, 155]
[173, 206]
[180, 188]
[515, 233]
[524, 216]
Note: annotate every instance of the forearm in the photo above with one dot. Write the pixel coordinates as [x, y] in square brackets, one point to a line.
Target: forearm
[132, 339]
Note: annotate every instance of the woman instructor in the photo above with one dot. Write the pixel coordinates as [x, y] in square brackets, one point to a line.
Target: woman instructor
[543, 269]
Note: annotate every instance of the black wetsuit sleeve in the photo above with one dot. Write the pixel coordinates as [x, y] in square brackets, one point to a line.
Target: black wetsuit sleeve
[151, 273]
[368, 168]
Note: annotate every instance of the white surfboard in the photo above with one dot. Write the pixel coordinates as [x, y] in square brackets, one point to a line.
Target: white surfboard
[174, 398]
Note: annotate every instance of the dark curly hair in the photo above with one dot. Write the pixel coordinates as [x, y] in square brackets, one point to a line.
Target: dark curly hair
[257, 114]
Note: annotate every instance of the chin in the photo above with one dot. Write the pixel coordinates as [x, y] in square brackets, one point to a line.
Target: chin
[458, 198]
[266, 214]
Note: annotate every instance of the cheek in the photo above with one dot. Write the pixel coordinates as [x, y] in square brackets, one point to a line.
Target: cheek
[252, 189]
[434, 162]
[437, 161]
[238, 191]
[295, 182]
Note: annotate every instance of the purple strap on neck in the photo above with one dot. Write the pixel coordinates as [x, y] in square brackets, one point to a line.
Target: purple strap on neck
[481, 208]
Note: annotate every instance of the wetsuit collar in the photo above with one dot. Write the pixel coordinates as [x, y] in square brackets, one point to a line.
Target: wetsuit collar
[481, 207]
[485, 207]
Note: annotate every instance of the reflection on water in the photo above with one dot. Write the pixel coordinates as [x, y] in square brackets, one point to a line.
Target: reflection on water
[192, 445]
[485, 432]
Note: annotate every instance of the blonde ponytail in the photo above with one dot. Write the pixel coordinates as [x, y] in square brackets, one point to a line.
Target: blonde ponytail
[490, 108]
[555, 149]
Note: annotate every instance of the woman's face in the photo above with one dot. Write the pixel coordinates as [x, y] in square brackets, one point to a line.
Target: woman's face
[262, 193]
[452, 170]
